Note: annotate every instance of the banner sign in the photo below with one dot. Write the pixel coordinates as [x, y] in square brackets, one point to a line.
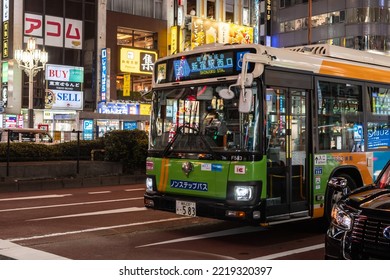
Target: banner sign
[64, 85]
[119, 108]
[57, 31]
[137, 61]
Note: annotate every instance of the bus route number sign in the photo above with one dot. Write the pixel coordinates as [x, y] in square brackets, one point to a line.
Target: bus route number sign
[186, 208]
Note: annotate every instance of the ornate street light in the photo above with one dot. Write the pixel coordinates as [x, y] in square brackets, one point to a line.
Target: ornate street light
[29, 60]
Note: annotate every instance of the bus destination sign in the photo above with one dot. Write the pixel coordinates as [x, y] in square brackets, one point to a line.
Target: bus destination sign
[202, 65]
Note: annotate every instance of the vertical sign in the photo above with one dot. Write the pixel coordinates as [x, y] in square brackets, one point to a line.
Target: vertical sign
[87, 129]
[174, 39]
[105, 74]
[268, 16]
[126, 85]
[4, 86]
[4, 45]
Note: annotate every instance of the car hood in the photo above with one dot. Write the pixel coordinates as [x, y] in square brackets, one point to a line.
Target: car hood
[370, 198]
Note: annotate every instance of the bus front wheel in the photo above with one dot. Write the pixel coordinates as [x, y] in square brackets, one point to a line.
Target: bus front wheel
[332, 196]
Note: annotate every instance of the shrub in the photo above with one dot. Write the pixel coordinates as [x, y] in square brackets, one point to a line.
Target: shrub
[124, 146]
[69, 150]
[128, 147]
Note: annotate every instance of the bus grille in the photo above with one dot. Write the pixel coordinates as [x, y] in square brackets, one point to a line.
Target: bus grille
[368, 241]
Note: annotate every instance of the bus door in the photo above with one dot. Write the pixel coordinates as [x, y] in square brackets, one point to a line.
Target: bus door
[287, 152]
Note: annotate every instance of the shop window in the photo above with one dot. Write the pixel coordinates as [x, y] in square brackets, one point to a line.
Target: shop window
[211, 9]
[72, 57]
[90, 12]
[136, 38]
[74, 10]
[356, 42]
[55, 54]
[89, 30]
[379, 100]
[35, 6]
[340, 116]
[229, 10]
[55, 8]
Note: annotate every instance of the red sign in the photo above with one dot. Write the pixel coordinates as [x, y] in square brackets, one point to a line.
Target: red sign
[54, 30]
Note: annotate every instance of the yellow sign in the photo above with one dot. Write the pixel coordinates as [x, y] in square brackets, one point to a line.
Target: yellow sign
[137, 61]
[126, 85]
[174, 39]
[145, 109]
[206, 31]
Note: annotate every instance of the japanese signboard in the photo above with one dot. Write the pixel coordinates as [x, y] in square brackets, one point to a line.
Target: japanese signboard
[57, 31]
[105, 57]
[5, 30]
[206, 31]
[137, 61]
[64, 87]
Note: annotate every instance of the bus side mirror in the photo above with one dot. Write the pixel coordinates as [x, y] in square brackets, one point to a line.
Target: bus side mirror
[226, 93]
[245, 103]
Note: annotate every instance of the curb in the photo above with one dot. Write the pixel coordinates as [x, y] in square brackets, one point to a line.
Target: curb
[63, 183]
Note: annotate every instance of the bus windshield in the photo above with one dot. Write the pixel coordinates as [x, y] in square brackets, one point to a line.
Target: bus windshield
[197, 122]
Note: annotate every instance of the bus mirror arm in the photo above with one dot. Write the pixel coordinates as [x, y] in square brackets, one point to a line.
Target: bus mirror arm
[245, 79]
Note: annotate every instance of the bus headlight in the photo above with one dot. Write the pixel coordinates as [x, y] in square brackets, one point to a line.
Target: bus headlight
[341, 218]
[243, 193]
[149, 184]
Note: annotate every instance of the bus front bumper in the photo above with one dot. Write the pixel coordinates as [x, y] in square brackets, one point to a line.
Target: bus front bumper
[205, 208]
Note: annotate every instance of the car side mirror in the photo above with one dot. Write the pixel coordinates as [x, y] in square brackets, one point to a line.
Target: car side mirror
[339, 184]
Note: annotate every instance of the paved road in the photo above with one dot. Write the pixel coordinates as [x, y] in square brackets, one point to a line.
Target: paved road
[111, 223]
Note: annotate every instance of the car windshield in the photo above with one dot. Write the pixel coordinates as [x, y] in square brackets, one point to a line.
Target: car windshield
[384, 179]
[196, 120]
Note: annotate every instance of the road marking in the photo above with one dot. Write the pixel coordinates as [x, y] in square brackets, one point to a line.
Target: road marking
[94, 229]
[291, 252]
[233, 231]
[113, 211]
[36, 197]
[101, 192]
[17, 252]
[133, 190]
[70, 204]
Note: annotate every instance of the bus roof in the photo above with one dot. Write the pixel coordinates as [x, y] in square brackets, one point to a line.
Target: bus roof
[344, 53]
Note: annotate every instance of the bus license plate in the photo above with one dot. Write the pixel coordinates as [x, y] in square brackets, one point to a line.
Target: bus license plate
[186, 208]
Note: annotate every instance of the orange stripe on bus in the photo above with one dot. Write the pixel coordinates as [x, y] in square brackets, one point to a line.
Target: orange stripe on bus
[318, 212]
[162, 175]
[166, 171]
[354, 71]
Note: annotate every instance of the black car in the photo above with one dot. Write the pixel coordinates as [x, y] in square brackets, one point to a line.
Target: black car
[360, 220]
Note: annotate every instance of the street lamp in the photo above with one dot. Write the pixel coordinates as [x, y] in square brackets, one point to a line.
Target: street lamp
[28, 60]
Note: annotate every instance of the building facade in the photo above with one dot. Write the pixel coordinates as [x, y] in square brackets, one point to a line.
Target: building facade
[357, 24]
[82, 88]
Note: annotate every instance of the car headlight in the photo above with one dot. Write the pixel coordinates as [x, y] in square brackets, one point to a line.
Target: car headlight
[149, 184]
[341, 218]
[243, 193]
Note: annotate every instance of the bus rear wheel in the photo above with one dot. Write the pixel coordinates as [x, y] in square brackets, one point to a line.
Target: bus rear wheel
[332, 196]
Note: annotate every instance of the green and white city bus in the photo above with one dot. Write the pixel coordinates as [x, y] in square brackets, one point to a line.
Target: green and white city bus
[253, 133]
